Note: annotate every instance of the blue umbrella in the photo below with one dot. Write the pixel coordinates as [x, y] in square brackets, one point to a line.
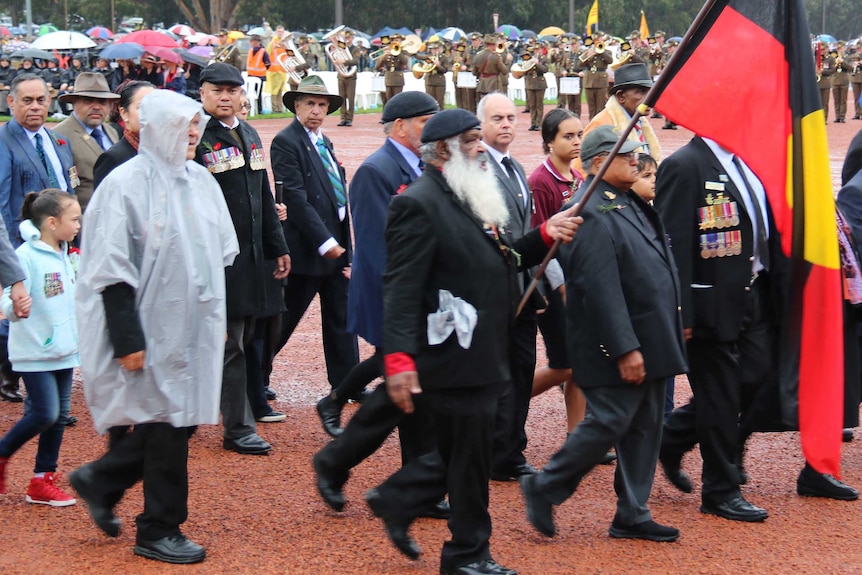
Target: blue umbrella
[387, 31]
[428, 33]
[528, 34]
[451, 33]
[124, 51]
[17, 30]
[821, 38]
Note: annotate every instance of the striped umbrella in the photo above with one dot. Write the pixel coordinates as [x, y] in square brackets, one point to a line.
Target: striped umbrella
[100, 32]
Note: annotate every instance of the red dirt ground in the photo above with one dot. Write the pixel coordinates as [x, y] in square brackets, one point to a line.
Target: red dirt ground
[261, 515]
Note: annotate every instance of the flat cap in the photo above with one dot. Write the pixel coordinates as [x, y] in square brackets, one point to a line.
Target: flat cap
[409, 105]
[449, 123]
[219, 73]
[601, 140]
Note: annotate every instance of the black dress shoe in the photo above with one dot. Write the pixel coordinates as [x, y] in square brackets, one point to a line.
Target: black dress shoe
[71, 421]
[362, 396]
[540, 511]
[328, 486]
[251, 444]
[735, 509]
[649, 530]
[396, 528]
[847, 435]
[514, 473]
[677, 477]
[534, 128]
[270, 394]
[342, 123]
[171, 549]
[9, 390]
[330, 416]
[440, 510]
[669, 126]
[484, 567]
[608, 458]
[83, 482]
[525, 111]
[813, 484]
[348, 124]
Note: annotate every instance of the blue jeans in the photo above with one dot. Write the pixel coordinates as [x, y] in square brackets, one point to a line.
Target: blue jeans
[45, 411]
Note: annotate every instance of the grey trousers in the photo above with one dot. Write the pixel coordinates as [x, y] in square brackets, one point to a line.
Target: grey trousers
[629, 417]
[236, 415]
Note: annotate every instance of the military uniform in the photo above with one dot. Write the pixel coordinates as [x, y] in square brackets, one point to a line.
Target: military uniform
[827, 70]
[504, 76]
[435, 80]
[235, 59]
[535, 86]
[856, 82]
[347, 85]
[301, 70]
[487, 67]
[568, 66]
[393, 68]
[840, 86]
[596, 82]
[460, 64]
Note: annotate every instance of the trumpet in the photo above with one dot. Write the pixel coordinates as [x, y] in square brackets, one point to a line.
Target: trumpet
[395, 48]
[223, 55]
[290, 63]
[502, 46]
[456, 67]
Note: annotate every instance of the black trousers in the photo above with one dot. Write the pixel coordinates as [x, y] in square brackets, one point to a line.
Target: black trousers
[156, 453]
[340, 347]
[369, 427]
[236, 414]
[725, 377]
[463, 423]
[255, 387]
[363, 373]
[510, 437]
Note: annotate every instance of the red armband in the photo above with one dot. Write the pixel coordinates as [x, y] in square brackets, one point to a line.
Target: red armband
[395, 363]
[549, 241]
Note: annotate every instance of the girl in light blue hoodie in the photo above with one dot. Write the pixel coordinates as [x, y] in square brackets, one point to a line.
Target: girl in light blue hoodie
[44, 347]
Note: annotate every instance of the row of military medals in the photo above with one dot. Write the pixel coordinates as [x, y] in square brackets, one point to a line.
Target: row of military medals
[719, 213]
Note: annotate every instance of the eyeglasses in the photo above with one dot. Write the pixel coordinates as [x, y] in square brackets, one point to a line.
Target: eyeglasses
[628, 157]
[245, 106]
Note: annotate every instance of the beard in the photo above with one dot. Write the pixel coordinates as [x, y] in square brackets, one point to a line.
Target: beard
[475, 185]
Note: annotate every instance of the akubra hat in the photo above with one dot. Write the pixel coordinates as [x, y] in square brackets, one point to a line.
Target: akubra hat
[312, 86]
[632, 75]
[90, 85]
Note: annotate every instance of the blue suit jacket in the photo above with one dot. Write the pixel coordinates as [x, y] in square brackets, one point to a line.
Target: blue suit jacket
[22, 172]
[377, 180]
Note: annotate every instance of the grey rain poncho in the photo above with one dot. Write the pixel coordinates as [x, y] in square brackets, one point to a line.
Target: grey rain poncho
[160, 224]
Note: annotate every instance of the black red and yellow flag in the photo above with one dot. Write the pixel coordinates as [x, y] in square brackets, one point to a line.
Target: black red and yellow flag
[766, 108]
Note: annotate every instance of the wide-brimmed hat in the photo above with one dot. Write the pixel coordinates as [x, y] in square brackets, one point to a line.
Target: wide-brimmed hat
[90, 85]
[632, 75]
[312, 86]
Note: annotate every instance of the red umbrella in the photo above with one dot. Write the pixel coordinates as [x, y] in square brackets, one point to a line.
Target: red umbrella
[4, 31]
[148, 38]
[165, 54]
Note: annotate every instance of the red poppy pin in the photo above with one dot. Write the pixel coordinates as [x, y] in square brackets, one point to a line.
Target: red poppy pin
[401, 189]
[216, 146]
[61, 142]
[74, 250]
[253, 146]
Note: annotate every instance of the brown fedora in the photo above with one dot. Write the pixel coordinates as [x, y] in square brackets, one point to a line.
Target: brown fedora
[91, 85]
[312, 86]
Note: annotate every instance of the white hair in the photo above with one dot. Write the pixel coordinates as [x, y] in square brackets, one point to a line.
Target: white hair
[475, 184]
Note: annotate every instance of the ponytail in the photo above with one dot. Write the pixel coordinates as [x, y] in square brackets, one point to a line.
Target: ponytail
[39, 206]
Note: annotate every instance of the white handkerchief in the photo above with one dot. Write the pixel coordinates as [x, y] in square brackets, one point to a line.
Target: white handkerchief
[454, 314]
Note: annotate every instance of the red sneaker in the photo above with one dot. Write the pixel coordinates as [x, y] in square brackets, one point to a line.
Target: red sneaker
[43, 490]
[3, 461]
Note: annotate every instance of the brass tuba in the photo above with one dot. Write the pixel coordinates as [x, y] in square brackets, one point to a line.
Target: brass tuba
[337, 54]
[419, 69]
[522, 67]
[290, 63]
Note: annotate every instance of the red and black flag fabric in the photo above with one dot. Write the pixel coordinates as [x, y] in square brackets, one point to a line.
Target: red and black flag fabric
[766, 108]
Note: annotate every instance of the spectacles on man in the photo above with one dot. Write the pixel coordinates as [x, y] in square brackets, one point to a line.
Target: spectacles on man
[628, 157]
[245, 106]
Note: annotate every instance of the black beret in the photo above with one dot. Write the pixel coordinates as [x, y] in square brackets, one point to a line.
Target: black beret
[409, 105]
[219, 73]
[449, 123]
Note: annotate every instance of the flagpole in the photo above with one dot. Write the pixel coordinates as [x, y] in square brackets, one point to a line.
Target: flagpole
[659, 85]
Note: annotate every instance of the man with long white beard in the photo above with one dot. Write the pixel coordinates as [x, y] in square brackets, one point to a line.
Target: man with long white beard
[450, 294]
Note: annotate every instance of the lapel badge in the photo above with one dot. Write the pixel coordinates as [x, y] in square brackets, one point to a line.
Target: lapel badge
[610, 195]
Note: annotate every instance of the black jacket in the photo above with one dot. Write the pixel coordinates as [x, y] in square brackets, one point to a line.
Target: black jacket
[119, 153]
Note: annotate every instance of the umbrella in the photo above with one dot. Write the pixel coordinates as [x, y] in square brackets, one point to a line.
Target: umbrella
[5, 31]
[149, 38]
[509, 31]
[166, 54]
[17, 30]
[181, 30]
[125, 51]
[826, 38]
[235, 35]
[46, 29]
[202, 39]
[62, 41]
[100, 32]
[204, 51]
[32, 53]
[528, 34]
[451, 33]
[361, 42]
[428, 33]
[387, 31]
[551, 31]
[192, 58]
[256, 30]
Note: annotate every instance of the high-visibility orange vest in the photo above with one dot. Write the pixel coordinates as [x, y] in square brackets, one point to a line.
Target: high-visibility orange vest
[274, 66]
[254, 63]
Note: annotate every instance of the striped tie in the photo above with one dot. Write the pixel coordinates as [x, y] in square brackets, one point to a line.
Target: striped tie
[52, 177]
[334, 175]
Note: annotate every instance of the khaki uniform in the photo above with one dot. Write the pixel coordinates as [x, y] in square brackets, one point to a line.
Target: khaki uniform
[347, 87]
[393, 68]
[567, 65]
[487, 67]
[840, 87]
[504, 76]
[459, 66]
[856, 82]
[595, 82]
[535, 86]
[435, 80]
[827, 70]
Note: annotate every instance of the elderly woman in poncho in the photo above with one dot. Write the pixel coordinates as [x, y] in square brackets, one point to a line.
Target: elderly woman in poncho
[151, 301]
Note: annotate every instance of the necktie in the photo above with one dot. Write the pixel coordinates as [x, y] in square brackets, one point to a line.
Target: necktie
[513, 175]
[334, 175]
[762, 241]
[98, 135]
[52, 177]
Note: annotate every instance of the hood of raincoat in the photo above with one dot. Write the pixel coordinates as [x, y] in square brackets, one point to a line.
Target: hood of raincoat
[164, 117]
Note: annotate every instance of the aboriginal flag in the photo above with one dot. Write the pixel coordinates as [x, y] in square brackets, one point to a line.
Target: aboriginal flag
[777, 125]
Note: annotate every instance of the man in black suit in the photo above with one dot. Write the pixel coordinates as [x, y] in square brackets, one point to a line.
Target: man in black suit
[232, 151]
[317, 226]
[451, 287]
[497, 114]
[731, 270]
[624, 335]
